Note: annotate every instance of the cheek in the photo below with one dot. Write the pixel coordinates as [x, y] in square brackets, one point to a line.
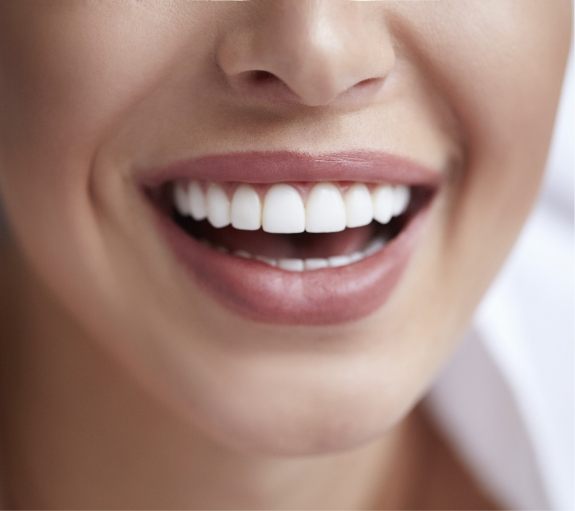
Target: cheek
[67, 79]
[500, 65]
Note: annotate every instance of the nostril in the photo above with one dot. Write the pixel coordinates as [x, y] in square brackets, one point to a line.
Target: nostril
[262, 77]
[367, 82]
[261, 84]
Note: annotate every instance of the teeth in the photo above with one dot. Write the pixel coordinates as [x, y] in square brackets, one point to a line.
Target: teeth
[401, 196]
[383, 197]
[243, 253]
[358, 205]
[283, 210]
[181, 199]
[267, 260]
[291, 264]
[356, 256]
[315, 264]
[375, 246]
[218, 206]
[337, 261]
[300, 265]
[325, 209]
[246, 209]
[197, 202]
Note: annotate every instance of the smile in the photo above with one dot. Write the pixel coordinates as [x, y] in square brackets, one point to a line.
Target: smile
[278, 248]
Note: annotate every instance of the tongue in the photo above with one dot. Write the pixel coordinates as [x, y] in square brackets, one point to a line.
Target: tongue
[301, 246]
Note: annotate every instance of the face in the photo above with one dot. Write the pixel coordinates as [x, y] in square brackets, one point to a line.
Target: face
[124, 124]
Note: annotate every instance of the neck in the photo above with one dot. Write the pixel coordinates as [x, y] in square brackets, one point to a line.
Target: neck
[88, 436]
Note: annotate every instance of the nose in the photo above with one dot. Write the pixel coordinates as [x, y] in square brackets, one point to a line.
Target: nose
[309, 52]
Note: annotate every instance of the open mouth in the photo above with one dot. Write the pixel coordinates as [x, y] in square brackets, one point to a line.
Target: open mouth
[294, 251]
[293, 226]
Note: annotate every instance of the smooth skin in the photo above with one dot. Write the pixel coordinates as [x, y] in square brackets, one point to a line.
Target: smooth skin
[123, 384]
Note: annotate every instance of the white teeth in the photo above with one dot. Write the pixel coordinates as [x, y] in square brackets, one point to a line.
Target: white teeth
[243, 253]
[267, 260]
[356, 256]
[375, 246]
[181, 199]
[315, 264]
[358, 205]
[283, 210]
[300, 265]
[197, 202]
[325, 209]
[291, 264]
[246, 209]
[218, 206]
[382, 198]
[337, 261]
[401, 196]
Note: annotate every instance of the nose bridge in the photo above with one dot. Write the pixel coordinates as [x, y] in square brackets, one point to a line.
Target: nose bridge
[318, 49]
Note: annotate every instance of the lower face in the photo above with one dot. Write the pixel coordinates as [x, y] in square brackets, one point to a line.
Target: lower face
[229, 255]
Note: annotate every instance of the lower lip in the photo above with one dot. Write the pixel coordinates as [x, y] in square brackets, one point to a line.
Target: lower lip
[266, 294]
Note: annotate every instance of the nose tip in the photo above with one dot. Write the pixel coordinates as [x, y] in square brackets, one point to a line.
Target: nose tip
[319, 54]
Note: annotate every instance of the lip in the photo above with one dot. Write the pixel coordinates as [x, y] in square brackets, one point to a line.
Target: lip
[284, 166]
[266, 294]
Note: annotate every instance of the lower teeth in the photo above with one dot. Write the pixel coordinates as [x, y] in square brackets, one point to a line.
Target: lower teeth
[299, 265]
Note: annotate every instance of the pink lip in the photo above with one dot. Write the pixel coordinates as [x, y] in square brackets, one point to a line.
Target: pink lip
[282, 166]
[266, 294]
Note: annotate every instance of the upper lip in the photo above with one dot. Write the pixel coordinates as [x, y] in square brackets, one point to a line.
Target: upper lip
[288, 166]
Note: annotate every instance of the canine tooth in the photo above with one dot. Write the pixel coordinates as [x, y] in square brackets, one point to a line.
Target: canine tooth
[283, 210]
[336, 261]
[401, 196]
[358, 205]
[325, 209]
[375, 246]
[382, 198]
[181, 199]
[218, 206]
[197, 201]
[246, 209]
[291, 264]
[315, 264]
[267, 260]
[243, 253]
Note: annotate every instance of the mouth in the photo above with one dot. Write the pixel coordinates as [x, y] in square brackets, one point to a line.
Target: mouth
[278, 248]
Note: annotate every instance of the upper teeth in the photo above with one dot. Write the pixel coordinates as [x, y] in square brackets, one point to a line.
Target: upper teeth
[327, 207]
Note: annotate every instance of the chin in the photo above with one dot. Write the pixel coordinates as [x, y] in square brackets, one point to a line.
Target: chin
[290, 410]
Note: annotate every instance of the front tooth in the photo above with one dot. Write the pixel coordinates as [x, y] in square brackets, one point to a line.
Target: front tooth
[359, 208]
[382, 198]
[401, 195]
[246, 209]
[325, 209]
[291, 264]
[197, 201]
[283, 210]
[218, 206]
[181, 199]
